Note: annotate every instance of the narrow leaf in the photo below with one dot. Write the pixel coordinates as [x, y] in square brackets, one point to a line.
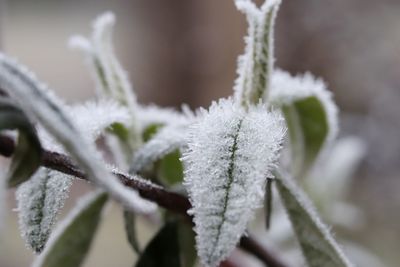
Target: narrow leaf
[268, 202]
[130, 229]
[318, 246]
[164, 142]
[163, 249]
[231, 153]
[39, 202]
[72, 239]
[27, 156]
[256, 64]
[44, 107]
[187, 244]
[311, 116]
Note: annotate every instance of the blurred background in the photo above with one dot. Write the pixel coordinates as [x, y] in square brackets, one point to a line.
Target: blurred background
[184, 51]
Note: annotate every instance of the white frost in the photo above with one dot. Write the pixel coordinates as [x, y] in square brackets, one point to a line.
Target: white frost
[231, 153]
[35, 102]
[39, 202]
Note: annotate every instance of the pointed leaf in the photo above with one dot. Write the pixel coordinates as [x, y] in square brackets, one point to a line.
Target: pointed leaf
[231, 153]
[311, 116]
[256, 64]
[163, 249]
[318, 246]
[130, 229]
[27, 156]
[38, 102]
[72, 239]
[39, 202]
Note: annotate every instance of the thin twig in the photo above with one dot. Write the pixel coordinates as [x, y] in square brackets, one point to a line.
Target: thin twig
[166, 199]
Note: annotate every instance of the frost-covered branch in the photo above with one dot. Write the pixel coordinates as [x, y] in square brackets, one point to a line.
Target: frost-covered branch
[168, 200]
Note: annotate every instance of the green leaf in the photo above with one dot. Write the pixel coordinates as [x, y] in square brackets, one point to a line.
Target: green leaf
[170, 168]
[163, 249]
[130, 229]
[318, 246]
[28, 152]
[268, 203]
[308, 129]
[150, 131]
[71, 241]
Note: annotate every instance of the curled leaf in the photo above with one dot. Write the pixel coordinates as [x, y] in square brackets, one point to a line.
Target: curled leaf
[27, 155]
[318, 246]
[71, 241]
[39, 202]
[45, 108]
[231, 153]
[256, 64]
[310, 113]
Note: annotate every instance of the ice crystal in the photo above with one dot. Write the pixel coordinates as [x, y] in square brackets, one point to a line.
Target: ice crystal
[35, 101]
[165, 141]
[231, 153]
[256, 64]
[39, 202]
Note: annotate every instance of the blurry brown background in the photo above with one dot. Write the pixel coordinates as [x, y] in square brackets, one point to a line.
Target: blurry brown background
[185, 51]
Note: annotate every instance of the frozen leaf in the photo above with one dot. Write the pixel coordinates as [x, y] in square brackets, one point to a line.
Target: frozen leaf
[39, 202]
[27, 155]
[231, 153]
[112, 80]
[44, 107]
[318, 246]
[71, 241]
[163, 249]
[162, 143]
[256, 64]
[310, 113]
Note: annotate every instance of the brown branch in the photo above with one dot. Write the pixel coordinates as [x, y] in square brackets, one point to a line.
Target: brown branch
[166, 199]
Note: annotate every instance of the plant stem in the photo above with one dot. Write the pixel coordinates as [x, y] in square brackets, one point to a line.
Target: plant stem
[166, 199]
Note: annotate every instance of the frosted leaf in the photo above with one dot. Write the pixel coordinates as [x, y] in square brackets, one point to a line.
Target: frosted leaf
[230, 154]
[255, 66]
[35, 101]
[310, 113]
[92, 118]
[317, 244]
[39, 202]
[154, 115]
[164, 142]
[111, 79]
[71, 240]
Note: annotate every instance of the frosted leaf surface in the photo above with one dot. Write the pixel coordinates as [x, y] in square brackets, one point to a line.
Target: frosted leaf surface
[39, 202]
[230, 154]
[310, 113]
[256, 64]
[165, 141]
[111, 79]
[35, 101]
[317, 244]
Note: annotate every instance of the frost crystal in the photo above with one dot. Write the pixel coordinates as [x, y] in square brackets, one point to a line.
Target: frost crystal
[256, 64]
[231, 153]
[36, 102]
[286, 89]
[39, 202]
[166, 141]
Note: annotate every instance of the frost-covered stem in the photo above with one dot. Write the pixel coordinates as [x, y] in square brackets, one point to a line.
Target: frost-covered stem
[168, 200]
